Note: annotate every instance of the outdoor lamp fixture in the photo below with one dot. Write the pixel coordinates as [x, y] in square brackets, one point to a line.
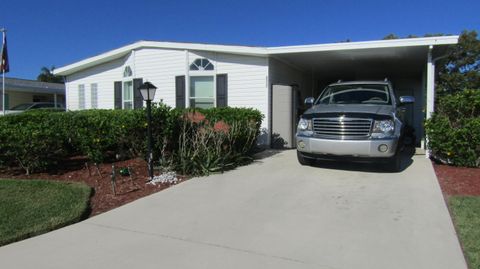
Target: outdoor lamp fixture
[147, 90]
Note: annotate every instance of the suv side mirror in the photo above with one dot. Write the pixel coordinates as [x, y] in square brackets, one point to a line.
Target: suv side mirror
[407, 100]
[309, 101]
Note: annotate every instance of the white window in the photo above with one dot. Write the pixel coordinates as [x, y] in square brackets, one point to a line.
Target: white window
[202, 92]
[127, 95]
[93, 95]
[81, 96]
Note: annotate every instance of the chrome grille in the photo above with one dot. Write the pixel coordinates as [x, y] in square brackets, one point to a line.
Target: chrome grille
[342, 128]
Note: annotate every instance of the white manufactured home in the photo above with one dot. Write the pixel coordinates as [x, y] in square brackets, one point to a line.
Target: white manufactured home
[274, 80]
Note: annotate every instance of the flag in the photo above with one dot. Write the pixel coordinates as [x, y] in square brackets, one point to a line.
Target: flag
[4, 66]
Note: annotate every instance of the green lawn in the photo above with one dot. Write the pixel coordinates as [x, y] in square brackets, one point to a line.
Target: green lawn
[32, 207]
[466, 215]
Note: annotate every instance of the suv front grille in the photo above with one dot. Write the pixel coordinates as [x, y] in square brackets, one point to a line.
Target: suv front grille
[342, 128]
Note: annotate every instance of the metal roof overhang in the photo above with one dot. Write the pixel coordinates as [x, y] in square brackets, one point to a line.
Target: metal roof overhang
[382, 58]
[30, 89]
[307, 57]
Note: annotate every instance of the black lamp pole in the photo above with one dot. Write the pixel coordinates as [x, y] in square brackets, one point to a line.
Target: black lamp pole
[149, 134]
[147, 90]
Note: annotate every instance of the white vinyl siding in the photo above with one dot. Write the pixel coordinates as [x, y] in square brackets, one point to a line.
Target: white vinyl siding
[93, 95]
[247, 76]
[81, 96]
[103, 75]
[247, 81]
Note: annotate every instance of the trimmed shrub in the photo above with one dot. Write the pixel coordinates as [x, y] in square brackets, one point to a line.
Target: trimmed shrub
[34, 141]
[454, 130]
[192, 141]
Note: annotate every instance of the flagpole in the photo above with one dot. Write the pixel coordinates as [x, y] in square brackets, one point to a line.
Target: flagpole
[3, 75]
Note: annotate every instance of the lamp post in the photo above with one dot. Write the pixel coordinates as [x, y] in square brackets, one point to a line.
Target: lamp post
[147, 90]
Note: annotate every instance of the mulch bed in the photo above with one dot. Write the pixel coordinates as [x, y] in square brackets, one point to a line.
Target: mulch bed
[127, 188]
[458, 180]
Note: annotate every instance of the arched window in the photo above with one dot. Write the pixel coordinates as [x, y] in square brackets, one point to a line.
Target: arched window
[201, 65]
[127, 72]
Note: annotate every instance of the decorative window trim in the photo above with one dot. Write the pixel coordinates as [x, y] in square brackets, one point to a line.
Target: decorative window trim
[201, 64]
[127, 72]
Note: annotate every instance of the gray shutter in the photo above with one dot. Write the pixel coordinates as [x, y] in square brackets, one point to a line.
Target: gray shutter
[222, 90]
[137, 96]
[117, 85]
[180, 92]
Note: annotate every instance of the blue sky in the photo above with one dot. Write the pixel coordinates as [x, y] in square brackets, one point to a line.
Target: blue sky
[46, 33]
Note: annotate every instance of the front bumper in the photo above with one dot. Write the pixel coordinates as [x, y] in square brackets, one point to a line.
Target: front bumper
[321, 147]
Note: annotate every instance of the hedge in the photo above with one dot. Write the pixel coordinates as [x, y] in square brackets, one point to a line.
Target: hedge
[190, 141]
[454, 130]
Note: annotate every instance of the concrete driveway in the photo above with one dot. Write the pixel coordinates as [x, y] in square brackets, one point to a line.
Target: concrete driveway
[271, 214]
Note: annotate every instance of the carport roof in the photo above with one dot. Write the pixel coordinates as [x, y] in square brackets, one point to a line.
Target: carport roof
[378, 46]
[33, 86]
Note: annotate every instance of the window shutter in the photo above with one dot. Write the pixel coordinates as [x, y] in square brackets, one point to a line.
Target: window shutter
[117, 85]
[93, 95]
[180, 92]
[137, 96]
[222, 90]
[81, 96]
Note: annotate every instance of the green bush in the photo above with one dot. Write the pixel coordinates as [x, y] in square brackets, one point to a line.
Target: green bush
[33, 141]
[39, 140]
[454, 130]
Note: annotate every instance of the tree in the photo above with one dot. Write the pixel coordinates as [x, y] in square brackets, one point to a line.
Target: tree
[46, 75]
[460, 70]
[390, 36]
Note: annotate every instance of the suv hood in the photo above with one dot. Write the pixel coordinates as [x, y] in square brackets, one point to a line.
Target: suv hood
[386, 110]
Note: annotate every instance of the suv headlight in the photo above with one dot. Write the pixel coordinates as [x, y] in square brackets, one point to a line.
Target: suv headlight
[383, 128]
[304, 125]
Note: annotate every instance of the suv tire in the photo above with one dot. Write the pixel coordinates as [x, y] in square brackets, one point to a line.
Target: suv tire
[395, 163]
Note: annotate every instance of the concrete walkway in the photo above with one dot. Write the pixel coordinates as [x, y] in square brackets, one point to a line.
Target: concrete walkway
[271, 214]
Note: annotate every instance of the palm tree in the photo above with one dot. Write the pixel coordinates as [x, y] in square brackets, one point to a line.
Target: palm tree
[46, 75]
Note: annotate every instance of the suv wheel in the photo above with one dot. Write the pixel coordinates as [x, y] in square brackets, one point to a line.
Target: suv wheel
[395, 164]
[303, 160]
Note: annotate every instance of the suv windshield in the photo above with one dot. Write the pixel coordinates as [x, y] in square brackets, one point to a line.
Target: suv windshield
[377, 94]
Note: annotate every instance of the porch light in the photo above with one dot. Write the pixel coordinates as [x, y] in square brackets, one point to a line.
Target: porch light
[147, 90]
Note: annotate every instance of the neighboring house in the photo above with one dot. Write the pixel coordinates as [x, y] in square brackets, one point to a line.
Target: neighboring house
[20, 91]
[274, 80]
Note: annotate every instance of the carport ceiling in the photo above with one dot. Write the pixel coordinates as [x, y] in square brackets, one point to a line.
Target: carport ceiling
[395, 61]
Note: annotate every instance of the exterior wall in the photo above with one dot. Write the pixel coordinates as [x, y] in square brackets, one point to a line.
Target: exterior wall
[281, 73]
[159, 66]
[247, 77]
[104, 75]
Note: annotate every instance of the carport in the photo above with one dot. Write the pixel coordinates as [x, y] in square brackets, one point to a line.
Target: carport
[408, 63]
